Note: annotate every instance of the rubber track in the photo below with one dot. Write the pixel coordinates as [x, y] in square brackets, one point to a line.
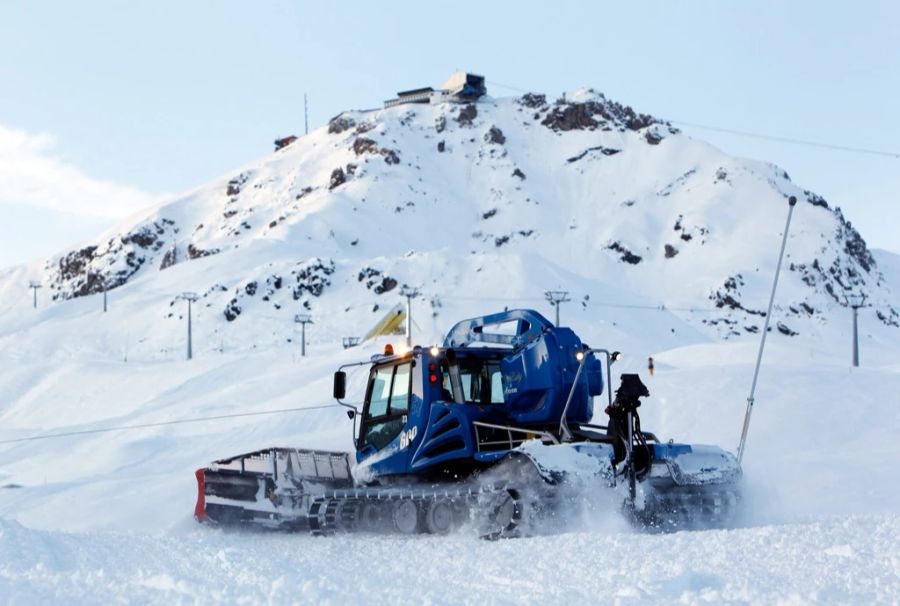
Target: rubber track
[339, 510]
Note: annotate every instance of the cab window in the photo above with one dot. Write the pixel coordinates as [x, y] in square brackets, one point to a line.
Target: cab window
[481, 381]
[381, 392]
[400, 389]
[496, 386]
[389, 393]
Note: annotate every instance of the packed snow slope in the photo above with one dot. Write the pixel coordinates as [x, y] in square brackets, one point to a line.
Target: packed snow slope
[667, 247]
[109, 514]
[850, 561]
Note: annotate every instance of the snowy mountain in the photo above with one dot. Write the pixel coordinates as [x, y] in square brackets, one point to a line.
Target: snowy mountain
[667, 247]
[505, 198]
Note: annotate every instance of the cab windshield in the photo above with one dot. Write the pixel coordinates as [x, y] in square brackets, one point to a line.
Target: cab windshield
[388, 403]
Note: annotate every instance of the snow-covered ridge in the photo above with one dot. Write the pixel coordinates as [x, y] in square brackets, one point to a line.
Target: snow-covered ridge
[580, 193]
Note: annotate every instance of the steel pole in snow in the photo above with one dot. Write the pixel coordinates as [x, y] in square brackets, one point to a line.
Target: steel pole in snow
[303, 320]
[409, 293]
[34, 286]
[792, 201]
[857, 302]
[556, 297]
[408, 321]
[190, 351]
[190, 297]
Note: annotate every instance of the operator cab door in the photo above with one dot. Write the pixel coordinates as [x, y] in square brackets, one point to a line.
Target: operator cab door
[386, 407]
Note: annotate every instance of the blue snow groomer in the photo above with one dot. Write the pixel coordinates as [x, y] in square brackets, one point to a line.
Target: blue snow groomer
[489, 429]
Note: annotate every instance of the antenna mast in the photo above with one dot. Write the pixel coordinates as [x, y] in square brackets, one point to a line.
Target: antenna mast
[762, 344]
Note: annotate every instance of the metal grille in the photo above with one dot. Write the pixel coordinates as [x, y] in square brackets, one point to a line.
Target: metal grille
[515, 436]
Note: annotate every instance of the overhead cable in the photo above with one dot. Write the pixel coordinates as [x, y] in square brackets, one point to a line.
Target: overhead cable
[164, 423]
[764, 136]
[791, 140]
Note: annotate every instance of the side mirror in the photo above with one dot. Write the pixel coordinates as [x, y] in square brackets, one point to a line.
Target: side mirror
[340, 385]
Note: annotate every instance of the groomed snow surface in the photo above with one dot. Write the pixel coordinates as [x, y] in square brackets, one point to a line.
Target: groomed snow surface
[849, 560]
[103, 517]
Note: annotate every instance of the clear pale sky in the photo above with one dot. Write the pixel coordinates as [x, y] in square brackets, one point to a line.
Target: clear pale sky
[107, 105]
